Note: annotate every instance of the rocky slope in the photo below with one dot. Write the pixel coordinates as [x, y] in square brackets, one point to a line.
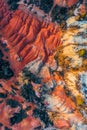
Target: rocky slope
[39, 78]
[27, 37]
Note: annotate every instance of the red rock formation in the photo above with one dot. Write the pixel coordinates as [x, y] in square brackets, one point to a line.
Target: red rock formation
[59, 92]
[6, 112]
[29, 123]
[65, 3]
[27, 36]
[61, 123]
[27, 39]
[59, 102]
[5, 14]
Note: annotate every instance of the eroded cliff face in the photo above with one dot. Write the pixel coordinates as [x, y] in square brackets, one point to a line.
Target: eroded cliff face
[27, 37]
[40, 91]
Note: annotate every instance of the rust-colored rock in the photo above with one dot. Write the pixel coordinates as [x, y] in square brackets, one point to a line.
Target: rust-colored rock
[65, 3]
[61, 123]
[32, 43]
[27, 37]
[59, 92]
